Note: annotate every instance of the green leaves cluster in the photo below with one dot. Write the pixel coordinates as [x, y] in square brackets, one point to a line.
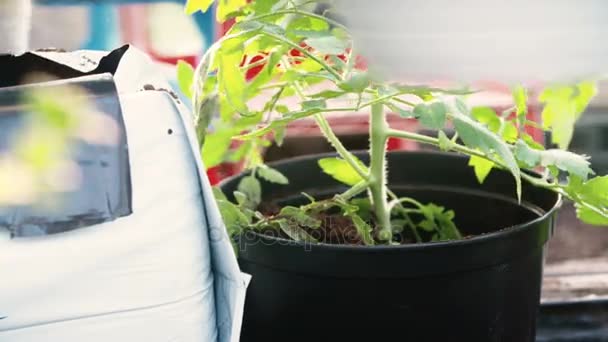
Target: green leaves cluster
[263, 75]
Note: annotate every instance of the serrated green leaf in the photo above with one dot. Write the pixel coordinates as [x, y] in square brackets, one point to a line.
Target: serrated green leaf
[300, 217]
[233, 218]
[216, 147]
[363, 229]
[193, 6]
[486, 116]
[520, 98]
[185, 77]
[341, 170]
[477, 136]
[591, 199]
[481, 166]
[584, 94]
[252, 189]
[356, 83]
[589, 216]
[279, 135]
[241, 198]
[327, 45]
[527, 138]
[432, 115]
[313, 104]
[509, 131]
[445, 144]
[567, 161]
[364, 206]
[272, 175]
[327, 94]
[295, 232]
[206, 109]
[441, 221]
[528, 156]
[404, 113]
[312, 33]
[563, 106]
[225, 8]
[232, 82]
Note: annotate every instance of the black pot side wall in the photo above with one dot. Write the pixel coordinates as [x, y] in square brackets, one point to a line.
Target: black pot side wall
[485, 288]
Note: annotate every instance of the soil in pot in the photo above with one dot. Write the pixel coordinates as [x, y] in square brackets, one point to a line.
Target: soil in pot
[485, 288]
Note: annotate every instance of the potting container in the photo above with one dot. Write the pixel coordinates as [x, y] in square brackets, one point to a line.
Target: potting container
[483, 288]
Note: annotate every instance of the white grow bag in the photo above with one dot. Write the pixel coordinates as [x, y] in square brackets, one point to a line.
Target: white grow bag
[166, 272]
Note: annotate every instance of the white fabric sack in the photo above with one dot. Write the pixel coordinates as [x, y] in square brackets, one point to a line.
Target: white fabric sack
[155, 275]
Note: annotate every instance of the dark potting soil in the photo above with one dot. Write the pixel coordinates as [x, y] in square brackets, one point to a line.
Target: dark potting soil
[335, 229]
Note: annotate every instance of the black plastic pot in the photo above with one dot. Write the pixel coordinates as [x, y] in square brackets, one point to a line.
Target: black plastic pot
[485, 288]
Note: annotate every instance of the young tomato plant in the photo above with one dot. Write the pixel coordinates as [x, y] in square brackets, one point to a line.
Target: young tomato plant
[322, 78]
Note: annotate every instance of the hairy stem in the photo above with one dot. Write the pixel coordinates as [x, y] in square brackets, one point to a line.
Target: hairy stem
[377, 182]
[337, 144]
[471, 152]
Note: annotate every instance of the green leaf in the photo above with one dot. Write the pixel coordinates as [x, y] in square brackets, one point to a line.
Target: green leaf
[585, 93]
[591, 199]
[461, 106]
[364, 206]
[431, 115]
[207, 109]
[404, 113]
[563, 106]
[313, 104]
[589, 216]
[363, 229]
[567, 161]
[185, 77]
[240, 153]
[527, 138]
[218, 194]
[215, 147]
[477, 136]
[232, 81]
[252, 189]
[520, 97]
[487, 116]
[295, 232]
[481, 166]
[341, 170]
[233, 218]
[240, 198]
[279, 135]
[227, 7]
[528, 156]
[441, 221]
[300, 217]
[328, 45]
[272, 175]
[193, 6]
[356, 83]
[327, 94]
